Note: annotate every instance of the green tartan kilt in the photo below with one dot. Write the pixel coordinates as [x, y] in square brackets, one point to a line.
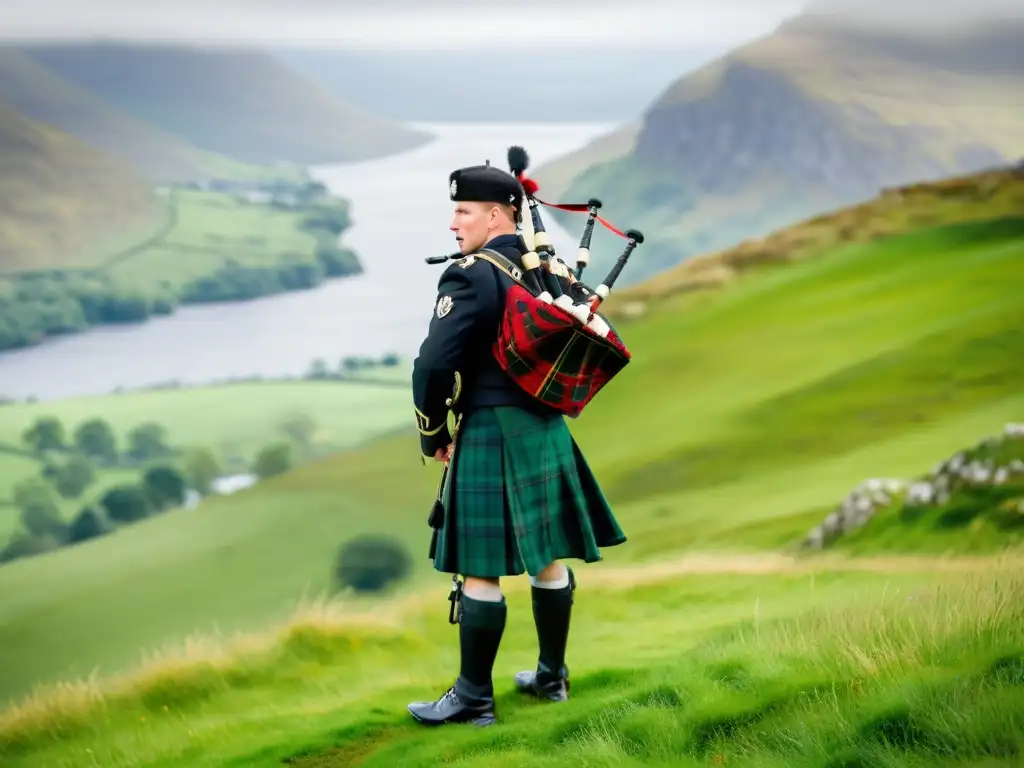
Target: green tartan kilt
[519, 495]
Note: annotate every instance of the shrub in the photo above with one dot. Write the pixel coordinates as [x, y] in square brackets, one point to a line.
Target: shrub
[274, 459]
[165, 486]
[371, 564]
[89, 523]
[127, 503]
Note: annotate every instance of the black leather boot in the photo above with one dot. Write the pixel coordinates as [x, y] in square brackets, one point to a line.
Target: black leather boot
[471, 699]
[552, 609]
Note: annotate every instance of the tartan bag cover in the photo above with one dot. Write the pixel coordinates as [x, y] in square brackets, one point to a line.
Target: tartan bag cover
[548, 352]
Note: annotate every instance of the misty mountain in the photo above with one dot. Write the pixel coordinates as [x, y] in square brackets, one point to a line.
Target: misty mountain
[39, 94]
[242, 103]
[816, 116]
[58, 196]
[472, 86]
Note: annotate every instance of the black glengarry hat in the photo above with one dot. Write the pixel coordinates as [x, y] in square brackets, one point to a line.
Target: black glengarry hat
[485, 184]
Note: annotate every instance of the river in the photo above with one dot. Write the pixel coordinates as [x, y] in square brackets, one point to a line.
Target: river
[400, 211]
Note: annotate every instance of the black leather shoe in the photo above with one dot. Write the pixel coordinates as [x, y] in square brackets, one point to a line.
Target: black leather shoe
[453, 708]
[552, 613]
[554, 690]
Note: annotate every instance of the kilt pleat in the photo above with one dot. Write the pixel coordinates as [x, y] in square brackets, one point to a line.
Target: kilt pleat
[519, 494]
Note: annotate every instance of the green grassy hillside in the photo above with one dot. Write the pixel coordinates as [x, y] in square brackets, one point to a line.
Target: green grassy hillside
[745, 415]
[809, 119]
[894, 211]
[233, 420]
[973, 499]
[243, 104]
[43, 96]
[556, 177]
[205, 246]
[60, 196]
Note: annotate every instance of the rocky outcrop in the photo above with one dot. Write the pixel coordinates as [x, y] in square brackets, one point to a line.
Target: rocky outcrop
[995, 462]
[812, 118]
[759, 122]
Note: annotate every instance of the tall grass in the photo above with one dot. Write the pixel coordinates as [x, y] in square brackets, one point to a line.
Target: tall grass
[815, 662]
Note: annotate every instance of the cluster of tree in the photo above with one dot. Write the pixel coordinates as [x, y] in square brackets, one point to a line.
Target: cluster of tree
[292, 272]
[43, 529]
[327, 221]
[69, 467]
[320, 370]
[34, 305]
[93, 441]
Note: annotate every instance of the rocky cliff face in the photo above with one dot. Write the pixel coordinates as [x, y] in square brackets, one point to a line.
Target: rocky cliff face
[758, 121]
[813, 118]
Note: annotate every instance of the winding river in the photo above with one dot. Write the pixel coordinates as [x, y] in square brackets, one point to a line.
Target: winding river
[400, 212]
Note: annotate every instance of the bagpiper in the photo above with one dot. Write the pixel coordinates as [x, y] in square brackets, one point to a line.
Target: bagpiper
[517, 494]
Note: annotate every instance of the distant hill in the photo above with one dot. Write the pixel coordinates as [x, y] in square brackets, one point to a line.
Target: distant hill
[242, 103]
[812, 118]
[571, 85]
[895, 211]
[41, 95]
[58, 195]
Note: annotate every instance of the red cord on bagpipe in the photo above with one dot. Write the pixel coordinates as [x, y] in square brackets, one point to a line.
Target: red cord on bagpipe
[530, 187]
[583, 208]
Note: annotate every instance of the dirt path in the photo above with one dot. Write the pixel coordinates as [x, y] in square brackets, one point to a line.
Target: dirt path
[777, 563]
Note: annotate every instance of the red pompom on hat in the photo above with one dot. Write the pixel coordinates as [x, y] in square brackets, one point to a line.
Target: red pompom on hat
[518, 162]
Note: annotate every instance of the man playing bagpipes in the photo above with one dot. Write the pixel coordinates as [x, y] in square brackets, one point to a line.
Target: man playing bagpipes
[516, 493]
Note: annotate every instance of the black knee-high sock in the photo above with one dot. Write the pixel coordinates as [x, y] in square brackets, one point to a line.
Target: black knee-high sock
[552, 611]
[480, 629]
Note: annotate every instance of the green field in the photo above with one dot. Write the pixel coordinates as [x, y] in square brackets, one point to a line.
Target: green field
[211, 228]
[745, 416]
[232, 420]
[210, 246]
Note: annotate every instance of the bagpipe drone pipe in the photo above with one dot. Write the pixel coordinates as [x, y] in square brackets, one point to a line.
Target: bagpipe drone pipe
[553, 342]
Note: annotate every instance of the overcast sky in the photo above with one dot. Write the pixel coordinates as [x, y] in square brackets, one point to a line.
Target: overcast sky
[437, 24]
[448, 24]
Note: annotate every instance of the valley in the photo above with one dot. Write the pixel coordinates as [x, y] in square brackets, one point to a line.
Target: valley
[213, 507]
[764, 403]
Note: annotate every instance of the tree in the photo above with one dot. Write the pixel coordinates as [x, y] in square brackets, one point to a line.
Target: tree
[350, 365]
[24, 544]
[201, 469]
[40, 514]
[300, 427]
[45, 434]
[74, 477]
[89, 523]
[127, 503]
[148, 441]
[165, 486]
[95, 439]
[274, 459]
[371, 563]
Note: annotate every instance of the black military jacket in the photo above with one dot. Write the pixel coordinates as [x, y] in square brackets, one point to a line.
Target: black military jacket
[455, 368]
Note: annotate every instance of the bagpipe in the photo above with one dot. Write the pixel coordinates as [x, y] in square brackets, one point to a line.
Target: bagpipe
[552, 341]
